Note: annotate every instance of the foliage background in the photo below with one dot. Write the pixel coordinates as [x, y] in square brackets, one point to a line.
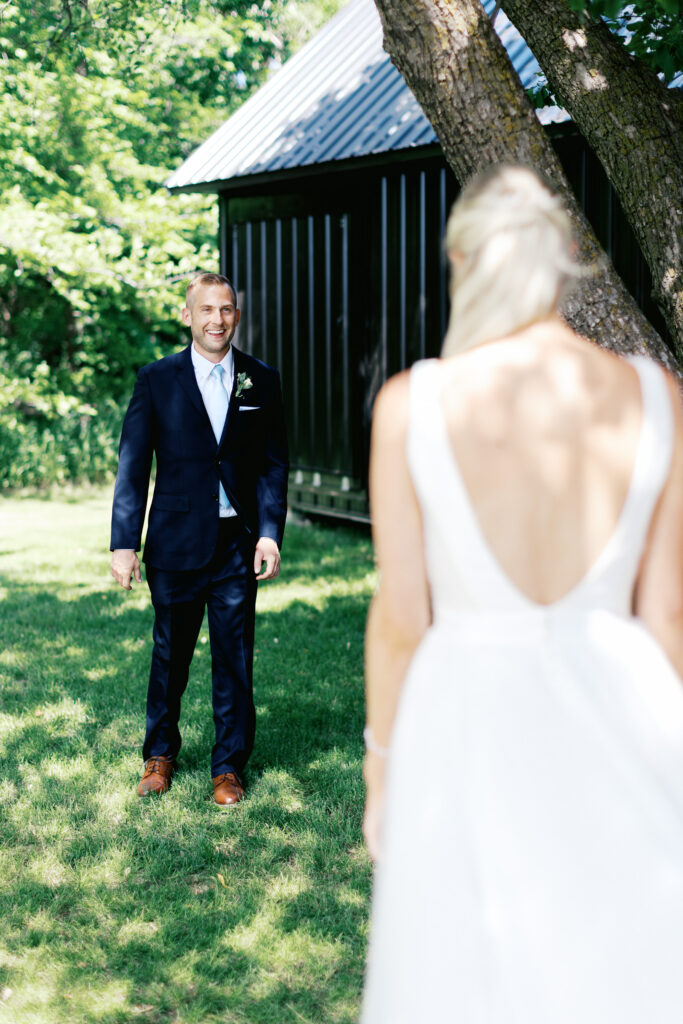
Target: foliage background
[100, 102]
[114, 909]
[651, 29]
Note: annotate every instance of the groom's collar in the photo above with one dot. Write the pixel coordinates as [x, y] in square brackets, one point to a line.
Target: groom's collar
[203, 367]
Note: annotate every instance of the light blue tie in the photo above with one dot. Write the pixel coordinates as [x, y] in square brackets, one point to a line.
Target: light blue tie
[216, 402]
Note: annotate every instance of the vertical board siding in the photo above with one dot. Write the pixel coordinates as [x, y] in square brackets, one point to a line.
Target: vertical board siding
[384, 276]
[328, 336]
[444, 207]
[402, 272]
[343, 424]
[278, 293]
[313, 398]
[423, 267]
[339, 299]
[248, 281]
[603, 209]
[224, 233]
[294, 376]
[345, 282]
[234, 262]
[263, 290]
[292, 279]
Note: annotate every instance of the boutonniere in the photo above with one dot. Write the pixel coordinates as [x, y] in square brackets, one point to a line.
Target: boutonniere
[243, 384]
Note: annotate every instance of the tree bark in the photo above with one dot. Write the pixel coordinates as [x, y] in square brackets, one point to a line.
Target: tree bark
[452, 59]
[633, 124]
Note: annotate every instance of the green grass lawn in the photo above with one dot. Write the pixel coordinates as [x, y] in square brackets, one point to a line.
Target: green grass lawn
[117, 909]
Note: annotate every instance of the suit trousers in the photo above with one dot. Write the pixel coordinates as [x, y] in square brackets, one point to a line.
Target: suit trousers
[226, 587]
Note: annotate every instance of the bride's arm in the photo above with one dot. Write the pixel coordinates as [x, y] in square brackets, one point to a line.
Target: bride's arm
[659, 595]
[400, 611]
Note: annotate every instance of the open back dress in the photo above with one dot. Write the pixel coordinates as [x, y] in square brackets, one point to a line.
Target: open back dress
[532, 845]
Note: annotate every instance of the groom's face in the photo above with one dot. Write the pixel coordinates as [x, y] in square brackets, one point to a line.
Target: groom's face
[212, 316]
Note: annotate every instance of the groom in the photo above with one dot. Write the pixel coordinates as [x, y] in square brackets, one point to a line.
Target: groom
[213, 418]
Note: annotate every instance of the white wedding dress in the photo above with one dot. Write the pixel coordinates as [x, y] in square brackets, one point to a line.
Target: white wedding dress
[532, 866]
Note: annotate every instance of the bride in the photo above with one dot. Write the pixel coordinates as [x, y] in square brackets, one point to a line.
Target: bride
[524, 763]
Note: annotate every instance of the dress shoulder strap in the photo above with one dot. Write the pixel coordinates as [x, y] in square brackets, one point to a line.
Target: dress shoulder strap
[424, 378]
[655, 448]
[423, 423]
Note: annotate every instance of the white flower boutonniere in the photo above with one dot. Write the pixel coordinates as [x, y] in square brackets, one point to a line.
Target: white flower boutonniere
[243, 384]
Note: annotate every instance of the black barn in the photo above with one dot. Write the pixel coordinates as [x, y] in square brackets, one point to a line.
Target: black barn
[333, 196]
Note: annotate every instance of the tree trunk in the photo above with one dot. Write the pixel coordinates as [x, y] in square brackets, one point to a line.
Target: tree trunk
[633, 124]
[452, 59]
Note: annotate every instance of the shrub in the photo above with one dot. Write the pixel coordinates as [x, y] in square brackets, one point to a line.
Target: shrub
[50, 437]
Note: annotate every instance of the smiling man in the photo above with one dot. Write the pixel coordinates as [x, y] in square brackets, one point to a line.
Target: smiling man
[213, 418]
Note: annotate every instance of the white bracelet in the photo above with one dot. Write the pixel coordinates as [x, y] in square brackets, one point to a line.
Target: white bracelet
[371, 745]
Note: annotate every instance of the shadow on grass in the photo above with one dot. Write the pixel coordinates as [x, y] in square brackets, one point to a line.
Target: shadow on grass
[73, 670]
[114, 908]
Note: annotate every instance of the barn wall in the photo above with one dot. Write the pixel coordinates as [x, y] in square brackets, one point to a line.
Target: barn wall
[342, 282]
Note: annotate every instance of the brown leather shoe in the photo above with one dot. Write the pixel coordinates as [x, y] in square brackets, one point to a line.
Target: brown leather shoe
[227, 789]
[157, 776]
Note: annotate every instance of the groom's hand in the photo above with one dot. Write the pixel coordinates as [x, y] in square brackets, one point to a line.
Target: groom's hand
[124, 564]
[266, 551]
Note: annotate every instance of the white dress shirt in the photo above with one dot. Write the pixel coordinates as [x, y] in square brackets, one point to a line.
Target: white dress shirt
[203, 368]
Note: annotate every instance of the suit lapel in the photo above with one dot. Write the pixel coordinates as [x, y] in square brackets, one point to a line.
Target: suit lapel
[188, 382]
[237, 368]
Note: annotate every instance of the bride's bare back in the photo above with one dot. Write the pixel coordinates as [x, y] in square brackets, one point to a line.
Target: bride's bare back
[544, 427]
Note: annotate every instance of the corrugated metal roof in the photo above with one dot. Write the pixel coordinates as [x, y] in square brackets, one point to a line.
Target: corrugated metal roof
[339, 97]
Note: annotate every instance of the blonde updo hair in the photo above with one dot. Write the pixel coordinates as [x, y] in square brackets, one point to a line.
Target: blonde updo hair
[509, 241]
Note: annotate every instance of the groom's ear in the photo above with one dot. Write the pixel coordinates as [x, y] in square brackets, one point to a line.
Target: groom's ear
[186, 316]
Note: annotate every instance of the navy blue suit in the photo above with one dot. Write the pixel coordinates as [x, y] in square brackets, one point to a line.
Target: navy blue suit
[194, 559]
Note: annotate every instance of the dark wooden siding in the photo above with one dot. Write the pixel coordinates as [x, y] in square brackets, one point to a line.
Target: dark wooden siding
[342, 282]
[292, 278]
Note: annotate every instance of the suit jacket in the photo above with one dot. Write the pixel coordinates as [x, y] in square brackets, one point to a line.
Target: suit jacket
[166, 418]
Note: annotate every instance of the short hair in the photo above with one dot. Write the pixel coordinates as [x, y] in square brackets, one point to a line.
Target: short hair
[207, 278]
[510, 239]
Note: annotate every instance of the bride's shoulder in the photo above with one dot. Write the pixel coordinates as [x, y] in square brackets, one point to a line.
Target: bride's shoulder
[395, 392]
[392, 406]
[391, 409]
